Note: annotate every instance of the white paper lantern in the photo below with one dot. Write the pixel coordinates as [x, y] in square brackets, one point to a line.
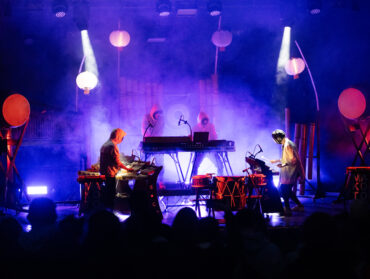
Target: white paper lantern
[86, 81]
[294, 66]
[222, 38]
[119, 38]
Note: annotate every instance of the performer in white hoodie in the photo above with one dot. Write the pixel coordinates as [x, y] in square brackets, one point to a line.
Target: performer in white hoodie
[204, 125]
[291, 169]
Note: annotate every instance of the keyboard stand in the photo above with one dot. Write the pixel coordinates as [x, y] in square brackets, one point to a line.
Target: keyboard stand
[225, 161]
[223, 155]
[175, 157]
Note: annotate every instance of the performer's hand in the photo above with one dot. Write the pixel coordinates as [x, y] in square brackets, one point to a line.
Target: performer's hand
[274, 161]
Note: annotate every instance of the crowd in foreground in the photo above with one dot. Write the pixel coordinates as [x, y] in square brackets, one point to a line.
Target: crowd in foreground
[98, 245]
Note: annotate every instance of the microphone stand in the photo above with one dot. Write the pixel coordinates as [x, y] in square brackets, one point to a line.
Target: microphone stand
[146, 130]
[187, 123]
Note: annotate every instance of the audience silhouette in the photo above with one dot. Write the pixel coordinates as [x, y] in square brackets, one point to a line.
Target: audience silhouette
[100, 246]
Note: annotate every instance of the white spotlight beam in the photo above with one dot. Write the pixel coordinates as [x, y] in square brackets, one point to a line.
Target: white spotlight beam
[90, 61]
[284, 55]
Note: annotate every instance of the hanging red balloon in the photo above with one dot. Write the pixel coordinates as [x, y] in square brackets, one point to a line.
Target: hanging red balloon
[351, 103]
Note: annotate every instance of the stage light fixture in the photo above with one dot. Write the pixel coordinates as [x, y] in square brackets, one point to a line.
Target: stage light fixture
[37, 190]
[163, 7]
[314, 6]
[90, 60]
[186, 8]
[59, 8]
[284, 55]
[214, 7]
[81, 14]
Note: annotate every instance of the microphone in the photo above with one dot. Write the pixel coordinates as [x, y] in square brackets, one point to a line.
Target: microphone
[179, 123]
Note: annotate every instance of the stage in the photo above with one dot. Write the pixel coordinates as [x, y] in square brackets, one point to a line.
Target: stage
[170, 205]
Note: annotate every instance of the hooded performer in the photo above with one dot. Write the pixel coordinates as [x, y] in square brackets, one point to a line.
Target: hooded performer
[153, 123]
[204, 125]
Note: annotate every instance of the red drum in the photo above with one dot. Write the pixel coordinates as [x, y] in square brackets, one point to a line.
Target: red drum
[201, 181]
[258, 179]
[231, 189]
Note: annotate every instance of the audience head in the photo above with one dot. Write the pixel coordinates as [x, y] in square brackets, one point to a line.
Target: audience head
[208, 229]
[10, 230]
[185, 225]
[42, 212]
[103, 226]
[251, 220]
[319, 230]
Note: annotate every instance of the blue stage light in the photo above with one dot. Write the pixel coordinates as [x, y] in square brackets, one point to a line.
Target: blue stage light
[37, 190]
[284, 55]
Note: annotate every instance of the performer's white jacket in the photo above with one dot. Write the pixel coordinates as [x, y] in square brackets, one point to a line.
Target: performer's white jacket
[292, 165]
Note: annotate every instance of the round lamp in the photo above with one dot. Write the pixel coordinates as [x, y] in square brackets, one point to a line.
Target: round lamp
[351, 103]
[119, 38]
[16, 110]
[294, 67]
[222, 38]
[86, 81]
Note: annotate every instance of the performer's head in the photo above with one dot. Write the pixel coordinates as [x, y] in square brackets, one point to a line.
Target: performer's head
[156, 112]
[203, 118]
[117, 135]
[278, 136]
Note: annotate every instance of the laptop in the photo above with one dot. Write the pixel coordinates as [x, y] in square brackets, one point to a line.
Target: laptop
[201, 137]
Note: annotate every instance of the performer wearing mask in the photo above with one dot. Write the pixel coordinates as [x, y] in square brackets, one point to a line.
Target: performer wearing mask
[110, 164]
[291, 169]
[204, 125]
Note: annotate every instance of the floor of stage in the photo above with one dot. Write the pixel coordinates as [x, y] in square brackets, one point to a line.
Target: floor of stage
[172, 204]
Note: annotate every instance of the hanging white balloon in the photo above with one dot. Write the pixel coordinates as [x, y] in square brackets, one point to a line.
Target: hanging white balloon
[222, 38]
[119, 38]
[86, 81]
[294, 66]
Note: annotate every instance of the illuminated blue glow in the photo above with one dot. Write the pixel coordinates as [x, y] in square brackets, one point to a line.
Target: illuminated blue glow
[28, 228]
[207, 166]
[276, 179]
[37, 190]
[284, 55]
[120, 216]
[90, 61]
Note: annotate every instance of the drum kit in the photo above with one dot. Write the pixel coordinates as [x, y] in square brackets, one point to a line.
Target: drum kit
[255, 190]
[232, 191]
